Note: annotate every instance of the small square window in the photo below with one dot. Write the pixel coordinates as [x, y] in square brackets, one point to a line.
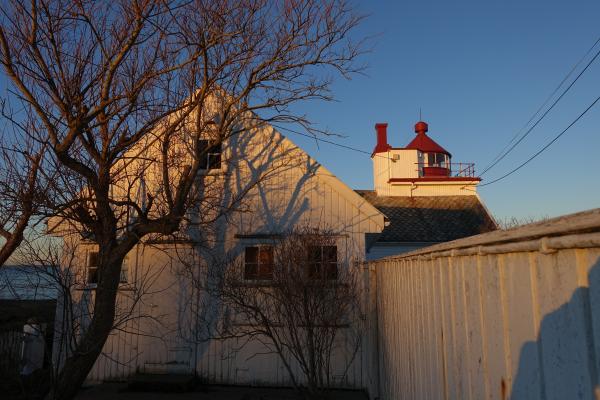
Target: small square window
[322, 262]
[92, 268]
[258, 263]
[210, 153]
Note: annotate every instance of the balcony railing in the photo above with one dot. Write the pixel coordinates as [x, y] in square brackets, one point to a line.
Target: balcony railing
[462, 170]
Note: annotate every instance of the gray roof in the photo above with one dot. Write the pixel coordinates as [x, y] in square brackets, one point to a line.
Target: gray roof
[430, 218]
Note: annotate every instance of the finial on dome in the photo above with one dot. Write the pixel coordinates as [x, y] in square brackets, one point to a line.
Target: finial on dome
[421, 127]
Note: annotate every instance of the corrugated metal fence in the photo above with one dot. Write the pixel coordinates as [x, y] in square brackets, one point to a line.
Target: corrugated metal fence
[506, 315]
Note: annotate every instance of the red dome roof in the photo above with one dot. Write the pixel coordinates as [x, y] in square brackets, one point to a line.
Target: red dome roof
[423, 142]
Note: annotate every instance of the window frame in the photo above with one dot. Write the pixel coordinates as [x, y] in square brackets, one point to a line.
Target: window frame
[439, 160]
[124, 271]
[211, 160]
[88, 267]
[323, 267]
[258, 276]
[92, 284]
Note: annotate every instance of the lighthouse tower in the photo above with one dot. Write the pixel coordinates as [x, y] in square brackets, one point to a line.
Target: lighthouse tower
[421, 168]
[425, 196]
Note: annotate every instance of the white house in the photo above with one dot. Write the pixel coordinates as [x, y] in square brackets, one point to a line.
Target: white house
[274, 187]
[279, 187]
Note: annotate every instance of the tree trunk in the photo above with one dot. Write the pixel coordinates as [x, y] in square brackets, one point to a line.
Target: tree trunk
[78, 365]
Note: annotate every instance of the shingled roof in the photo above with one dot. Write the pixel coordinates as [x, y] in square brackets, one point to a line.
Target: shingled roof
[430, 218]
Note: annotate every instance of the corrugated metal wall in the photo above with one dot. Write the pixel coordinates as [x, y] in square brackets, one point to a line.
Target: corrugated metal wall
[506, 315]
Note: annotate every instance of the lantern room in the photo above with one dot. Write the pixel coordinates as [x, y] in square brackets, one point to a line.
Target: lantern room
[435, 159]
[423, 167]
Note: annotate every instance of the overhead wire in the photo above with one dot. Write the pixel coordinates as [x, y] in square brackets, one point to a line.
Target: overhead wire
[480, 185]
[337, 144]
[550, 96]
[318, 139]
[504, 152]
[545, 147]
[498, 159]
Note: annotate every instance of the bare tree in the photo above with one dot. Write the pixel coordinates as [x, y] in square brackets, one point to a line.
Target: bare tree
[53, 271]
[167, 82]
[298, 296]
[21, 195]
[514, 222]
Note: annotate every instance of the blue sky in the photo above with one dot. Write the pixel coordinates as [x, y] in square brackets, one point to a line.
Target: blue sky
[478, 70]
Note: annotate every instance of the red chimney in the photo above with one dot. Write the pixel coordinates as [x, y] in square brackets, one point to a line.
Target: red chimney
[382, 145]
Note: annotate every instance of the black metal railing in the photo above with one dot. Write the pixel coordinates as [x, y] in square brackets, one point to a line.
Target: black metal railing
[463, 170]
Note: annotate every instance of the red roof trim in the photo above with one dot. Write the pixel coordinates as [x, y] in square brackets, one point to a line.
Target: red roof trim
[436, 179]
[408, 148]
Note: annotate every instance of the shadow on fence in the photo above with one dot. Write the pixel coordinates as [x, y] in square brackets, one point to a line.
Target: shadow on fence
[562, 362]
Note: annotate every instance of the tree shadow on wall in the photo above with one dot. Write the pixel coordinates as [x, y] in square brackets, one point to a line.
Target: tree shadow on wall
[562, 362]
[263, 192]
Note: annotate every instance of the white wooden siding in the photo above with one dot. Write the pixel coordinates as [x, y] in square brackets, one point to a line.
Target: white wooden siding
[162, 337]
[504, 315]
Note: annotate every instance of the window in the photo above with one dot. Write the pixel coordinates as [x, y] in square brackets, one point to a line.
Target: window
[322, 262]
[258, 263]
[92, 267]
[210, 153]
[124, 270]
[436, 160]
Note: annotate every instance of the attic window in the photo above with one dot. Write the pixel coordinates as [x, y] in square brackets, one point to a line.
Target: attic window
[124, 270]
[210, 153]
[92, 267]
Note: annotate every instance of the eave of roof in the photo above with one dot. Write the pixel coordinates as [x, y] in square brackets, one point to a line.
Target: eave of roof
[436, 179]
[430, 218]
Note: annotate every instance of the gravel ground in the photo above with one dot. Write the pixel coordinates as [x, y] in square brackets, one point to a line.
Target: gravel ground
[212, 392]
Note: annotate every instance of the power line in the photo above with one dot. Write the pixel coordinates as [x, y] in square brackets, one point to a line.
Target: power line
[504, 153]
[546, 101]
[328, 141]
[546, 146]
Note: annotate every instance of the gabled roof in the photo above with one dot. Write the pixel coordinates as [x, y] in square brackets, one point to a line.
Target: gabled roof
[368, 210]
[430, 218]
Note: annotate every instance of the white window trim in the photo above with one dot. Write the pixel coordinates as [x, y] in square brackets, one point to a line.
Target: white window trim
[123, 285]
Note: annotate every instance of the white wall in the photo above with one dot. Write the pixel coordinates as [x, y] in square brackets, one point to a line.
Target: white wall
[505, 315]
[386, 167]
[433, 188]
[406, 166]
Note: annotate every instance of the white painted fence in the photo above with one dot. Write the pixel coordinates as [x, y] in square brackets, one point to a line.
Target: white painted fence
[505, 315]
